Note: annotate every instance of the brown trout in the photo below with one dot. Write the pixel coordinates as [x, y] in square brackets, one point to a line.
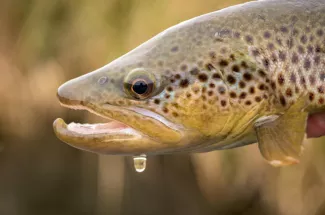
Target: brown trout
[245, 74]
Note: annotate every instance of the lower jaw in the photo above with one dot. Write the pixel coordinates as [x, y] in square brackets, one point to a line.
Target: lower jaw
[104, 140]
[115, 137]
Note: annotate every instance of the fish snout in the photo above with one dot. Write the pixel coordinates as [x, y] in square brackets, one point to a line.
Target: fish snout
[70, 94]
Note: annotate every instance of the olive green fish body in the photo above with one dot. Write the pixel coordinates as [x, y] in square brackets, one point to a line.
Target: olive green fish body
[220, 80]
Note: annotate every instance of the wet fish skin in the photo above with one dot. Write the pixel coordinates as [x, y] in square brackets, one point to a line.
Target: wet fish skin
[220, 80]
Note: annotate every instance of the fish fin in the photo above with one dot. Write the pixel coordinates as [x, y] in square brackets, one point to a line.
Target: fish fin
[280, 137]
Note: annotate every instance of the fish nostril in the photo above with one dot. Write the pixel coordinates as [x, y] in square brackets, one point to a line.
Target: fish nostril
[102, 80]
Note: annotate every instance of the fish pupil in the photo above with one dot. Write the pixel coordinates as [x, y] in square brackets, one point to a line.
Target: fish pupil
[140, 87]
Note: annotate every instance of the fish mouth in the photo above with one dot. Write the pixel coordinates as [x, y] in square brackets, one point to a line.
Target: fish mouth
[125, 133]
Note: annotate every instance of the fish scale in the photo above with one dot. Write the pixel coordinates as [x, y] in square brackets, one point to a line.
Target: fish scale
[248, 73]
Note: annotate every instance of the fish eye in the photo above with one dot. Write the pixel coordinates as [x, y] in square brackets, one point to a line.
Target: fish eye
[139, 84]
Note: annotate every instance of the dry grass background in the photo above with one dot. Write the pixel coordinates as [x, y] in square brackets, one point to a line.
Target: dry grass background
[44, 43]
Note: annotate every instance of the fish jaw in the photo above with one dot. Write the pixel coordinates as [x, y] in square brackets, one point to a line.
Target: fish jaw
[130, 131]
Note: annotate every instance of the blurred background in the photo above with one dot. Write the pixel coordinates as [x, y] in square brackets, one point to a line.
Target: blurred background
[45, 43]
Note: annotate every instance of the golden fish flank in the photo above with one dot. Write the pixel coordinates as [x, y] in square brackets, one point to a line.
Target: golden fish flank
[248, 73]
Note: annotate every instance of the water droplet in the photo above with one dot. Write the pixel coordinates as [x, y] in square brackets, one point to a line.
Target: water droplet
[140, 163]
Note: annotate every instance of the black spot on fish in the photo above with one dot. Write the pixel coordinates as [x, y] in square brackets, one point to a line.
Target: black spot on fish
[311, 96]
[174, 49]
[248, 103]
[235, 68]
[284, 29]
[249, 39]
[289, 92]
[194, 71]
[258, 99]
[282, 56]
[312, 79]
[283, 100]
[243, 95]
[175, 114]
[317, 60]
[266, 63]
[280, 79]
[231, 79]
[307, 64]
[247, 76]
[262, 87]
[157, 101]
[223, 103]
[252, 90]
[203, 77]
[295, 58]
[320, 33]
[223, 63]
[244, 64]
[184, 83]
[233, 95]
[303, 39]
[267, 34]
[242, 84]
[216, 76]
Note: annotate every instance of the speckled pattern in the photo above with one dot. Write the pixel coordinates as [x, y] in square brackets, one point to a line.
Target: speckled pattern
[241, 56]
[219, 72]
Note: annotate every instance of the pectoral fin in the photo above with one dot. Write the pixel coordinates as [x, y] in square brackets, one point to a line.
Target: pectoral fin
[280, 137]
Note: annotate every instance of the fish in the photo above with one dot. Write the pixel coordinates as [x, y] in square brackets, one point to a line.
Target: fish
[249, 73]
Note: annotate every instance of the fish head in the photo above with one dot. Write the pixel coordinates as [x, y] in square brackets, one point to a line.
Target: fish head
[164, 96]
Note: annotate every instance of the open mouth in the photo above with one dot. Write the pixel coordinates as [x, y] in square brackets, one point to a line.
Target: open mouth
[149, 134]
[113, 137]
[110, 128]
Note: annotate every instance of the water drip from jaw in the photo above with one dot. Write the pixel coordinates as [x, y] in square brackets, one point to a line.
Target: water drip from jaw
[140, 162]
